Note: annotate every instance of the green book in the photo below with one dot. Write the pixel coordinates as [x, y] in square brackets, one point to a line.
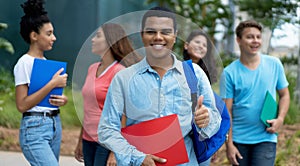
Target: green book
[269, 110]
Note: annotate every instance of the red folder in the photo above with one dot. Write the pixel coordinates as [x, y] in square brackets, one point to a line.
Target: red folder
[161, 137]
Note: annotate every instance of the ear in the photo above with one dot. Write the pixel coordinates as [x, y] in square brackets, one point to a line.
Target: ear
[33, 36]
[238, 40]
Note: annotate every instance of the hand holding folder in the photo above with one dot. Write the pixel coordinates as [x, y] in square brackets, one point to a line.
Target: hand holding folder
[269, 110]
[161, 137]
[42, 72]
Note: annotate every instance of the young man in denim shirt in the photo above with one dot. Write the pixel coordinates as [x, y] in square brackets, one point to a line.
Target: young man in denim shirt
[153, 88]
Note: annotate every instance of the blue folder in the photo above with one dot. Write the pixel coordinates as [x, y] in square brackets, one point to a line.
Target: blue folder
[42, 72]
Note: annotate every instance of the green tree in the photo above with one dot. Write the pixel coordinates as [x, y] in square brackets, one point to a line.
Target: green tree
[5, 44]
[206, 14]
[271, 13]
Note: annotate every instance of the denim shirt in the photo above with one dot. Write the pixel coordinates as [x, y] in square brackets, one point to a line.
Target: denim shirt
[140, 94]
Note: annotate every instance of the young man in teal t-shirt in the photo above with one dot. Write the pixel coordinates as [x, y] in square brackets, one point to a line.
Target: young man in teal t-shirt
[244, 84]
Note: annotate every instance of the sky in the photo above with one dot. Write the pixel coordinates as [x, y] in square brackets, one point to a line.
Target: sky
[287, 36]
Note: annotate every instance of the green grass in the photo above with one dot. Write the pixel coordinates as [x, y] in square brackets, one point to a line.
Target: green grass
[297, 134]
[293, 115]
[280, 158]
[69, 116]
[9, 116]
[288, 151]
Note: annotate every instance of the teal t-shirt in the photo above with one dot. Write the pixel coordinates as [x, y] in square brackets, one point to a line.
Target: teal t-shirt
[247, 88]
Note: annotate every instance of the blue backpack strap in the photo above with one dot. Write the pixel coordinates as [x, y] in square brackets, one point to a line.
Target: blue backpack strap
[205, 149]
[190, 75]
[200, 147]
[191, 80]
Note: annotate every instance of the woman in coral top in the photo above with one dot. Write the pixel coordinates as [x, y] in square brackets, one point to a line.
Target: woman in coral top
[112, 44]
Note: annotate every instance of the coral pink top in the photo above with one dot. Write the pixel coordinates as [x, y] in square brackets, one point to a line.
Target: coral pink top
[94, 93]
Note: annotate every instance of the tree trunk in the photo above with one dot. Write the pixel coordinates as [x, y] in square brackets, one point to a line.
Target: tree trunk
[230, 38]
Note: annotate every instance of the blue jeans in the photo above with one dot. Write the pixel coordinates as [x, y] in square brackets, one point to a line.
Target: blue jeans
[40, 138]
[94, 154]
[261, 154]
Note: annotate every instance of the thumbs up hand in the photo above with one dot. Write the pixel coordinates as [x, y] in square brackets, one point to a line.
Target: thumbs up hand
[201, 115]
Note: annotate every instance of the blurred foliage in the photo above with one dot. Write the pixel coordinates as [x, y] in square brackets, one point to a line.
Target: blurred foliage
[5, 44]
[289, 60]
[9, 116]
[227, 58]
[206, 14]
[6, 81]
[293, 115]
[69, 116]
[3, 26]
[271, 13]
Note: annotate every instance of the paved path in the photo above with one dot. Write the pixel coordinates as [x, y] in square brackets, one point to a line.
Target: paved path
[17, 159]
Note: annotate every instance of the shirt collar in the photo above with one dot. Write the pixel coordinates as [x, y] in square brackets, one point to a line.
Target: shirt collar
[145, 67]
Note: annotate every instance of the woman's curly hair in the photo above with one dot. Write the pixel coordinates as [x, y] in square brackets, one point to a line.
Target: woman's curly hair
[35, 17]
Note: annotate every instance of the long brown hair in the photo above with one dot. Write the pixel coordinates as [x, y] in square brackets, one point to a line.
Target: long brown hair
[207, 63]
[120, 45]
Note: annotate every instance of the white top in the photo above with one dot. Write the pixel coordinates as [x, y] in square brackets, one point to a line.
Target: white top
[22, 73]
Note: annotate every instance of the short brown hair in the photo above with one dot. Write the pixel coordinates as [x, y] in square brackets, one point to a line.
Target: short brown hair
[246, 24]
